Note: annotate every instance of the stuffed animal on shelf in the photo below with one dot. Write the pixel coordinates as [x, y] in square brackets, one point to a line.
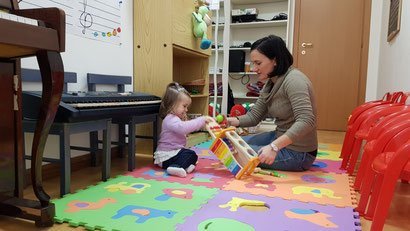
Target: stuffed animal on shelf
[201, 21]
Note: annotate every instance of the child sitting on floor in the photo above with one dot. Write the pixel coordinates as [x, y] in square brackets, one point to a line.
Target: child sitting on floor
[171, 153]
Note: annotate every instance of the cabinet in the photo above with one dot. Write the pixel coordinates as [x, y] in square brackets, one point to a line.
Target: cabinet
[165, 49]
[239, 33]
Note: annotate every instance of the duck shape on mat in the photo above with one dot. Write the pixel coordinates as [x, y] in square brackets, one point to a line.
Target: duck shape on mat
[76, 205]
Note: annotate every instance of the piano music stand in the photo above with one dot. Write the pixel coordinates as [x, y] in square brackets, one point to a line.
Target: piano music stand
[65, 129]
[131, 121]
[45, 41]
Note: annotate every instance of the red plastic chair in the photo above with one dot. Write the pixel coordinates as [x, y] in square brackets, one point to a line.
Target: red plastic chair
[392, 141]
[387, 168]
[348, 143]
[383, 126]
[396, 97]
[363, 132]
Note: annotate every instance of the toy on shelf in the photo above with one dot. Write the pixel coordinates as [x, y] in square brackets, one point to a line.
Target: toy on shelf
[201, 21]
[211, 108]
[232, 150]
[237, 110]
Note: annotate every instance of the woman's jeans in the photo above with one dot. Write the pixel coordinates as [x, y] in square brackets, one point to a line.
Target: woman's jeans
[286, 159]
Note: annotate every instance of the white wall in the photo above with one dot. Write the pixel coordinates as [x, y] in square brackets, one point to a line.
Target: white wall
[388, 61]
[84, 56]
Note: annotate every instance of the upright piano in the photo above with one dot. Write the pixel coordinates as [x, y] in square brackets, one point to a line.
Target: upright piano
[25, 33]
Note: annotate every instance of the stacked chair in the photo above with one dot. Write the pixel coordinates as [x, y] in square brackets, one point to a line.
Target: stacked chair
[385, 126]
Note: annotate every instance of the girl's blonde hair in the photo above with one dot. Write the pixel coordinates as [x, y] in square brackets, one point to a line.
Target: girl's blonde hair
[171, 97]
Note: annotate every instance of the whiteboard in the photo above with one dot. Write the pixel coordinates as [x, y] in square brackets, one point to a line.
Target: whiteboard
[94, 19]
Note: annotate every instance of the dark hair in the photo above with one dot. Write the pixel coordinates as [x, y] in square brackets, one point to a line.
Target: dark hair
[170, 98]
[274, 47]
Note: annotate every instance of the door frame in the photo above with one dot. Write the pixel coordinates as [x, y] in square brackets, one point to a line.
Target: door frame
[364, 51]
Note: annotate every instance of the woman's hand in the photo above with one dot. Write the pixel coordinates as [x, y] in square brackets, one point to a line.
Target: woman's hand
[267, 155]
[233, 121]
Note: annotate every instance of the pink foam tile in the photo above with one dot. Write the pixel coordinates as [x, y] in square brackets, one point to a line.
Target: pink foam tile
[327, 166]
[208, 173]
[317, 187]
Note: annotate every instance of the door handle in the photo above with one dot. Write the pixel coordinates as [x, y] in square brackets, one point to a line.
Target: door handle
[307, 45]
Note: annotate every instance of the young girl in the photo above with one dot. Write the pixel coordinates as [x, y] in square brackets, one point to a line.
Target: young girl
[171, 153]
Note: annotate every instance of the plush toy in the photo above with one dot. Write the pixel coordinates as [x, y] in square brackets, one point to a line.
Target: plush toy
[201, 21]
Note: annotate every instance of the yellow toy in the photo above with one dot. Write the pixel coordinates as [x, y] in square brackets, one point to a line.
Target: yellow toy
[232, 150]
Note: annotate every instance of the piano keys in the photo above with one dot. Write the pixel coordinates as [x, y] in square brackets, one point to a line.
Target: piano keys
[81, 106]
[19, 19]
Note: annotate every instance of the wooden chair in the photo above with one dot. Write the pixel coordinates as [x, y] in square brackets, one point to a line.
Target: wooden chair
[65, 129]
[131, 121]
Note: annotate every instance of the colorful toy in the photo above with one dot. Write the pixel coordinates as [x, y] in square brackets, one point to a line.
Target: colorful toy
[232, 150]
[201, 21]
[238, 110]
[219, 118]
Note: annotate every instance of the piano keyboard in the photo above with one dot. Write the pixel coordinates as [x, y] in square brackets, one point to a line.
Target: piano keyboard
[12, 17]
[112, 104]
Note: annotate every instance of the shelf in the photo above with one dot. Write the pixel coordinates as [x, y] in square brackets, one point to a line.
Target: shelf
[234, 49]
[243, 73]
[243, 96]
[245, 2]
[199, 96]
[262, 24]
[237, 96]
[237, 73]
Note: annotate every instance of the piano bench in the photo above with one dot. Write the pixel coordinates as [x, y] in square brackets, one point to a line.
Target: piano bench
[64, 130]
[131, 120]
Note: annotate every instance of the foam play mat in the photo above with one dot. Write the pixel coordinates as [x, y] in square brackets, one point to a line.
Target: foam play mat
[129, 203]
[210, 198]
[240, 211]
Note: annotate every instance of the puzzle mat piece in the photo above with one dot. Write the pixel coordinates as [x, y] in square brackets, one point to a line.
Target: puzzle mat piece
[309, 186]
[206, 145]
[277, 214]
[209, 173]
[327, 166]
[139, 204]
[328, 155]
[204, 153]
[330, 146]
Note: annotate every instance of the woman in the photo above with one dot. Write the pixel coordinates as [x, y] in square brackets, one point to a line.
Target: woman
[288, 97]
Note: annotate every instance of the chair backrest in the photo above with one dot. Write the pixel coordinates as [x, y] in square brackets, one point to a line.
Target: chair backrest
[398, 140]
[381, 113]
[385, 137]
[34, 75]
[120, 81]
[386, 122]
[398, 98]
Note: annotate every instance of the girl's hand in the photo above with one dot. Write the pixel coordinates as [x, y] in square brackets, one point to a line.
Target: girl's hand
[209, 119]
[267, 155]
